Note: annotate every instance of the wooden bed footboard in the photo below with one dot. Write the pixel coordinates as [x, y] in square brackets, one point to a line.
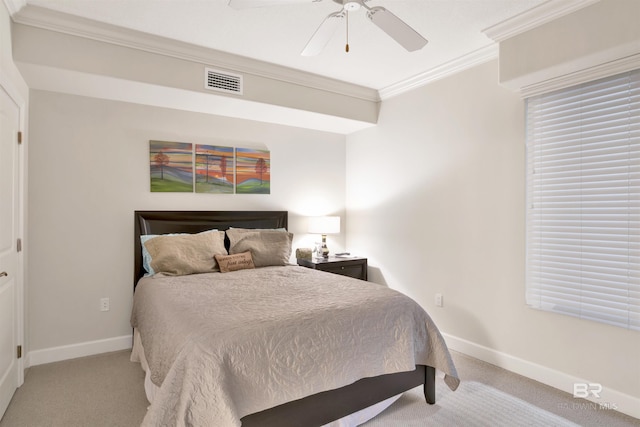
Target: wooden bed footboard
[322, 408]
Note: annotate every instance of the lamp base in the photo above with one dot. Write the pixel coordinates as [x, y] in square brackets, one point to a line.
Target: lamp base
[325, 250]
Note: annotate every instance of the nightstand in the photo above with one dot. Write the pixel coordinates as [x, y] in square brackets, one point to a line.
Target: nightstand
[346, 266]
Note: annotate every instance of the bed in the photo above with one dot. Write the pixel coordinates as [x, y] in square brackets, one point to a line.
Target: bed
[235, 370]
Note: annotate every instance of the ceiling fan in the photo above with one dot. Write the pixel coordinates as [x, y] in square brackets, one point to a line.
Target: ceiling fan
[397, 29]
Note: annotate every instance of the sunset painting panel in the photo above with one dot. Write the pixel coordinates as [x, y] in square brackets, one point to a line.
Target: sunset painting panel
[171, 165]
[253, 171]
[214, 169]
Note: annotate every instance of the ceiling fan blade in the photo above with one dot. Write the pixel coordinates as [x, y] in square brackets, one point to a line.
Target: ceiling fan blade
[396, 28]
[323, 34]
[247, 4]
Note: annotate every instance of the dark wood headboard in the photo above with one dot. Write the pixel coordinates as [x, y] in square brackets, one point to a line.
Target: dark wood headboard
[164, 222]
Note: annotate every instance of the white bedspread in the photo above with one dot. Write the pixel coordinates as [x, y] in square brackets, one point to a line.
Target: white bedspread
[224, 345]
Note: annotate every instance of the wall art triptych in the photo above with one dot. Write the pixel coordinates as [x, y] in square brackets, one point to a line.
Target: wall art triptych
[186, 167]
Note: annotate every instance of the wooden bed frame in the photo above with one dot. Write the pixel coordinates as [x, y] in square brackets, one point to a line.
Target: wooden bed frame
[314, 410]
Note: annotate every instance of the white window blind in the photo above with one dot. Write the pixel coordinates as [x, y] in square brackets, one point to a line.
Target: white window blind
[583, 201]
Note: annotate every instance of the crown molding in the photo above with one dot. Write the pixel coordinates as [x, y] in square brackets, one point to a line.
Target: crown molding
[87, 28]
[82, 27]
[13, 6]
[546, 12]
[610, 68]
[472, 59]
[115, 89]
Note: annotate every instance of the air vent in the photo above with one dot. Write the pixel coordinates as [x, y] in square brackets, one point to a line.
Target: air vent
[223, 81]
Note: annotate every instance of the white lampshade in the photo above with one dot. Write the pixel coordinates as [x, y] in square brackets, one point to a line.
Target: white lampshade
[324, 225]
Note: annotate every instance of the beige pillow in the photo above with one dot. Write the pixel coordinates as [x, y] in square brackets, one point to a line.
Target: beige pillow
[267, 247]
[186, 253]
[235, 262]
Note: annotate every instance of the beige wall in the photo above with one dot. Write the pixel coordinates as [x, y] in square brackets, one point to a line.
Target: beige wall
[435, 199]
[88, 172]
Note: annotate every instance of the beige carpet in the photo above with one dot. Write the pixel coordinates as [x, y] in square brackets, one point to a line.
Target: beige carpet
[107, 390]
[473, 403]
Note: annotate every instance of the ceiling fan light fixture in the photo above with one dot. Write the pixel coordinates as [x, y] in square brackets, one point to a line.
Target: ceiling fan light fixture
[352, 6]
[397, 29]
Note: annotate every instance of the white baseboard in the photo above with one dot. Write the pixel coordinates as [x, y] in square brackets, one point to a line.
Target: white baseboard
[89, 348]
[609, 398]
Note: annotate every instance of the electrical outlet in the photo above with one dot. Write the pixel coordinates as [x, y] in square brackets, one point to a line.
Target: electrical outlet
[104, 304]
[438, 300]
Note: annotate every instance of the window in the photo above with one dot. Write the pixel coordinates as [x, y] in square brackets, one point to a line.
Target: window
[583, 201]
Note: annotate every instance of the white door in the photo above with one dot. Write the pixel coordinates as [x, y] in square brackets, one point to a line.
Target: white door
[10, 368]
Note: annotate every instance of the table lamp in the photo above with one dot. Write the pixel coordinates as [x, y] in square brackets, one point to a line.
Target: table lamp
[324, 225]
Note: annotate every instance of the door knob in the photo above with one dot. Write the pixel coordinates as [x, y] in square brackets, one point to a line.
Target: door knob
[4, 273]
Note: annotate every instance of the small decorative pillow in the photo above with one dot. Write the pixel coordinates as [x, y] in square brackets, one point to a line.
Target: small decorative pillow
[185, 253]
[235, 262]
[267, 247]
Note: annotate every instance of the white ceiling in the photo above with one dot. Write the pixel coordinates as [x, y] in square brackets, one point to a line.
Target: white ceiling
[277, 34]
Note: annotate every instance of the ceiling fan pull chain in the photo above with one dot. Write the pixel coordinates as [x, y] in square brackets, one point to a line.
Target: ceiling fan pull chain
[346, 48]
